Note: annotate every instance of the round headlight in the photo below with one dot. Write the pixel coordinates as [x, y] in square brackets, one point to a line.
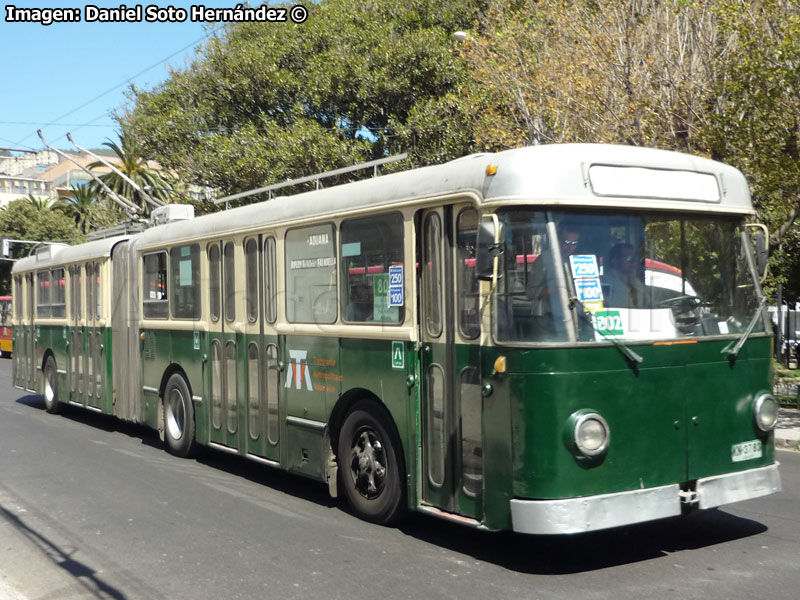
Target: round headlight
[591, 434]
[765, 411]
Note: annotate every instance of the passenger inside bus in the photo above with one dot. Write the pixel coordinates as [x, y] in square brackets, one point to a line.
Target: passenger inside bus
[360, 306]
[622, 282]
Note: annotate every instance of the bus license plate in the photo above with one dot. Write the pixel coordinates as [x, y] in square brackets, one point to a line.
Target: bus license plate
[746, 451]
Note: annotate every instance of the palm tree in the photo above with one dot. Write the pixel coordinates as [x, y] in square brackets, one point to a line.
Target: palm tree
[78, 205]
[156, 183]
[42, 203]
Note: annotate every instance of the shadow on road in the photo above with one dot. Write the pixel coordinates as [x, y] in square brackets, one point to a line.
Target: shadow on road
[233, 464]
[97, 420]
[561, 555]
[517, 552]
[86, 576]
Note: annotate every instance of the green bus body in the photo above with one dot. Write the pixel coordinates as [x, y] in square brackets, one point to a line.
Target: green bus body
[478, 428]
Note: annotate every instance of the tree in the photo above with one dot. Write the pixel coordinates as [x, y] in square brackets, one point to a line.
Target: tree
[78, 205]
[709, 77]
[156, 183]
[262, 104]
[23, 220]
[39, 203]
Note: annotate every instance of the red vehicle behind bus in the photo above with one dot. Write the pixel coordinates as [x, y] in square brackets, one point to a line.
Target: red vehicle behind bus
[5, 325]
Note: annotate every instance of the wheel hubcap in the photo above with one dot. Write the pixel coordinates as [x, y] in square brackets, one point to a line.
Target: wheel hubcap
[49, 391]
[368, 464]
[175, 414]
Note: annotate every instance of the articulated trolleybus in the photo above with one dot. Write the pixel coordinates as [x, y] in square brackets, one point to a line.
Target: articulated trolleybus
[550, 340]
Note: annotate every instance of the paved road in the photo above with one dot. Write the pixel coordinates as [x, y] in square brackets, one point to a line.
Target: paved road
[93, 508]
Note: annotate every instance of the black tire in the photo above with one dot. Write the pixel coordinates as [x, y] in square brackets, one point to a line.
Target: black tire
[371, 468]
[179, 426]
[50, 386]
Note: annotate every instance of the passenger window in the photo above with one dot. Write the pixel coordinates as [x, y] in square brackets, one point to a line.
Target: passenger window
[271, 281]
[311, 275]
[184, 262]
[59, 298]
[43, 296]
[229, 277]
[155, 286]
[432, 275]
[89, 290]
[72, 293]
[98, 298]
[214, 285]
[78, 291]
[372, 269]
[251, 274]
[468, 293]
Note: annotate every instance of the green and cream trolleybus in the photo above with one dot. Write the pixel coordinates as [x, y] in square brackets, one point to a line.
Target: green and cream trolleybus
[550, 340]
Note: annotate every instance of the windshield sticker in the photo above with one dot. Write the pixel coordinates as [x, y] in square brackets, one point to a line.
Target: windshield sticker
[608, 323]
[352, 249]
[584, 265]
[381, 310]
[589, 290]
[396, 285]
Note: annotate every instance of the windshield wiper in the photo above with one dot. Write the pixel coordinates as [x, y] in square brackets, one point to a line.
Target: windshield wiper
[632, 356]
[734, 352]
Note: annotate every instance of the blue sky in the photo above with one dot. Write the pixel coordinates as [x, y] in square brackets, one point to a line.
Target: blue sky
[48, 72]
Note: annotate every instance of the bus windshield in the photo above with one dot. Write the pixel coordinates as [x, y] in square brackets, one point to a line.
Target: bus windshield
[622, 276]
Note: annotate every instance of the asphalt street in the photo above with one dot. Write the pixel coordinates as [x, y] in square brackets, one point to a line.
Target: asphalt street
[91, 507]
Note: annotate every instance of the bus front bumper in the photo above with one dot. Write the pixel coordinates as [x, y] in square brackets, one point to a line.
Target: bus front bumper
[591, 513]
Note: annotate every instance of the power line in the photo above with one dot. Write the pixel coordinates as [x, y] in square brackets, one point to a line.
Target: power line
[89, 124]
[128, 80]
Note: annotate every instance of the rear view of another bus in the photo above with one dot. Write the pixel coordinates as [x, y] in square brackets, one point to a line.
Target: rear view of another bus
[5, 326]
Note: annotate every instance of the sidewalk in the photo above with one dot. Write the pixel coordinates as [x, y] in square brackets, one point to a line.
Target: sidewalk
[787, 431]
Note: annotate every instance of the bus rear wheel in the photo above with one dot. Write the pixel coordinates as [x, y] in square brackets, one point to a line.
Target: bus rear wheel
[50, 391]
[178, 417]
[370, 468]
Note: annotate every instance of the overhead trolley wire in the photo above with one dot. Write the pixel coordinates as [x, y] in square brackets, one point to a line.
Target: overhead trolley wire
[128, 80]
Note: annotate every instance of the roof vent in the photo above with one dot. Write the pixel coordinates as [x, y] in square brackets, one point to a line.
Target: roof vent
[170, 213]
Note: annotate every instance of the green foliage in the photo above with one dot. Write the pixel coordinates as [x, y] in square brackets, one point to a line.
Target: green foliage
[156, 184]
[23, 220]
[708, 77]
[264, 103]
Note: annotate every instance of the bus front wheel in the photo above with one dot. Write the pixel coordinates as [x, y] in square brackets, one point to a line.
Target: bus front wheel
[370, 468]
[178, 417]
[50, 391]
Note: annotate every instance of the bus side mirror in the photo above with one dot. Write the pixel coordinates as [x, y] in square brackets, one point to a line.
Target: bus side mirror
[489, 248]
[761, 242]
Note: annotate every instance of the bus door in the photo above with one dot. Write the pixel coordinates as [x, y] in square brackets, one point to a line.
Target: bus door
[224, 350]
[452, 478]
[72, 343]
[95, 331]
[29, 334]
[261, 354]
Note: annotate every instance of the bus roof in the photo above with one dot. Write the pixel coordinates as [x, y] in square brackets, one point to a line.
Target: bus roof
[553, 175]
[584, 175]
[69, 254]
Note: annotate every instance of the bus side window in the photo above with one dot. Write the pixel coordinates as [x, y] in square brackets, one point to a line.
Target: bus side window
[271, 281]
[251, 279]
[43, 295]
[185, 273]
[311, 274]
[214, 284]
[155, 286]
[370, 247]
[468, 294]
[59, 298]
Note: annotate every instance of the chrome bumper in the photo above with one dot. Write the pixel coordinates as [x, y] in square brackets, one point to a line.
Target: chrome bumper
[591, 513]
[735, 487]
